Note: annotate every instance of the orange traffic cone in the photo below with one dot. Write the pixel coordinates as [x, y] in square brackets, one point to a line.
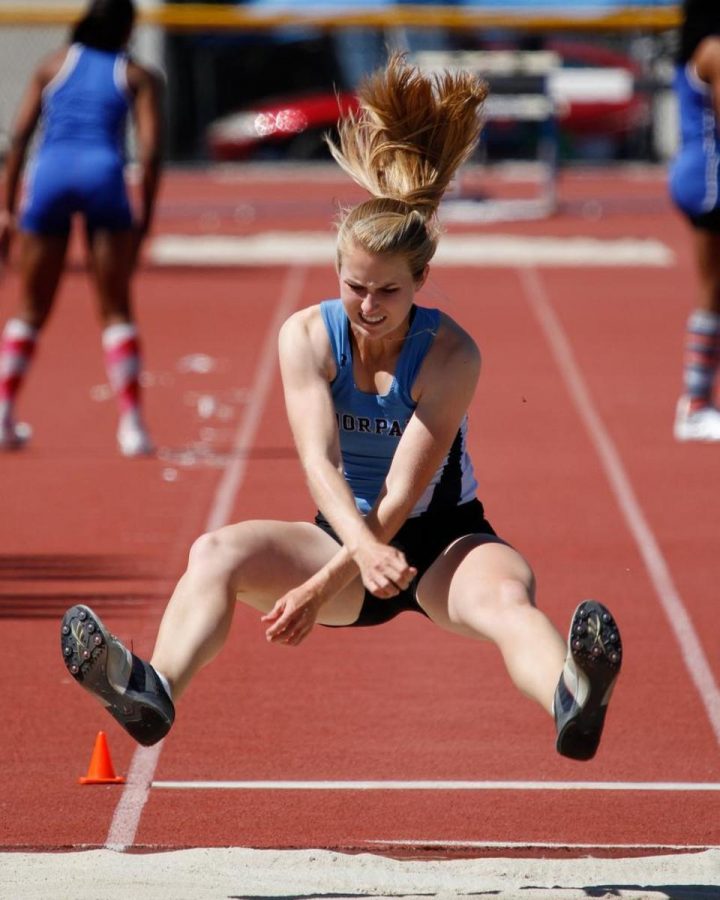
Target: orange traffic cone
[101, 769]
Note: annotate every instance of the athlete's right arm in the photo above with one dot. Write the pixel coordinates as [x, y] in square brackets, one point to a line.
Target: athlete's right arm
[23, 128]
[307, 369]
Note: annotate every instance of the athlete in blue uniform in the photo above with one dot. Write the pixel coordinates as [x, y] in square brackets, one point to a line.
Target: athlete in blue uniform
[82, 95]
[695, 188]
[377, 390]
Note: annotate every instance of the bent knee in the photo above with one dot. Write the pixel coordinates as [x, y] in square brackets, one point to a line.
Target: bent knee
[491, 608]
[213, 551]
[511, 593]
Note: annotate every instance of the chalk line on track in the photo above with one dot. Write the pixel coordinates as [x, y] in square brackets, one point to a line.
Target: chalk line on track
[126, 818]
[390, 785]
[317, 247]
[681, 624]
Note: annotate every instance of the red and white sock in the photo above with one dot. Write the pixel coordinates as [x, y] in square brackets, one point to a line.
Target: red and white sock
[17, 345]
[121, 346]
[702, 356]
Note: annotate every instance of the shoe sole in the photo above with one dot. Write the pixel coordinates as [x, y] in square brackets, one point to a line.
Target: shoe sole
[85, 643]
[703, 438]
[596, 649]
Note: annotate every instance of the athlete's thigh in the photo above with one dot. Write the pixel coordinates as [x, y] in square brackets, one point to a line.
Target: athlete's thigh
[707, 245]
[275, 556]
[470, 579]
[111, 257]
[42, 259]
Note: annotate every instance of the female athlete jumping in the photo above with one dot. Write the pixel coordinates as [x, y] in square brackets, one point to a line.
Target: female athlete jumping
[377, 390]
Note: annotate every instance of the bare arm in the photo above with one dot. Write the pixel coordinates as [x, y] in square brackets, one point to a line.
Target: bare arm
[147, 89]
[22, 132]
[306, 371]
[707, 64]
[445, 390]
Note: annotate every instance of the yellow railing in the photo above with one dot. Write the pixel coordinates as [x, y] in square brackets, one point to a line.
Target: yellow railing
[197, 16]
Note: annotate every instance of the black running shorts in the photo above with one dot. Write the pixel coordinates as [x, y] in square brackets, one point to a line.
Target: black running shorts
[709, 221]
[422, 539]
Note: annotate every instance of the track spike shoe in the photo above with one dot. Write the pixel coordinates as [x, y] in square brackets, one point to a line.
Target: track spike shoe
[127, 686]
[587, 680]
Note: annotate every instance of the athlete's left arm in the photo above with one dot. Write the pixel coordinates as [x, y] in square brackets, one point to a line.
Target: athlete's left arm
[444, 390]
[707, 65]
[147, 89]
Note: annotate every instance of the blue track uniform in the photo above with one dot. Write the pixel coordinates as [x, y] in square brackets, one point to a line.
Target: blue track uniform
[695, 172]
[371, 425]
[78, 167]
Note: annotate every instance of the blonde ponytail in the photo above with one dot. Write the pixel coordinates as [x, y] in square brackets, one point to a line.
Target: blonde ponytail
[404, 145]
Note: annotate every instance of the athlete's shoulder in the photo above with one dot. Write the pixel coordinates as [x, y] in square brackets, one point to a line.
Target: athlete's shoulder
[144, 77]
[452, 339]
[454, 359]
[706, 60]
[303, 320]
[303, 334]
[50, 66]
[305, 326]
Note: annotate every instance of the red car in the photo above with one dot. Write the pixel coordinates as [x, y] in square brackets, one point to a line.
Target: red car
[292, 126]
[593, 89]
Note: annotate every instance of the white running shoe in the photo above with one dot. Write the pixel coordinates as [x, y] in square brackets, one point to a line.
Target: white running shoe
[14, 435]
[132, 437]
[700, 425]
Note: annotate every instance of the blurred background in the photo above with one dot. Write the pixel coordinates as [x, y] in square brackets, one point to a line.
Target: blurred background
[572, 82]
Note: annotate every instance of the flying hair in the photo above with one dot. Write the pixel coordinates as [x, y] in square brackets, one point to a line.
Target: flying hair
[411, 133]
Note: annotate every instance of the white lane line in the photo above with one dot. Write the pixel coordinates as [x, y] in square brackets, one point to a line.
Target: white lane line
[691, 648]
[317, 247]
[663, 786]
[126, 818]
[234, 473]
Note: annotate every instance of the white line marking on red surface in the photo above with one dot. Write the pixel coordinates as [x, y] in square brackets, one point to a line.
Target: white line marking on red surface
[317, 247]
[690, 786]
[126, 818]
[691, 648]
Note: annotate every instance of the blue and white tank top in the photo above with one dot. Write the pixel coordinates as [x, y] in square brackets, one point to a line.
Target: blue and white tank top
[87, 102]
[370, 425]
[695, 173]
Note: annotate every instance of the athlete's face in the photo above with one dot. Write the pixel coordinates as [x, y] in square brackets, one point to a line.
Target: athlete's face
[377, 291]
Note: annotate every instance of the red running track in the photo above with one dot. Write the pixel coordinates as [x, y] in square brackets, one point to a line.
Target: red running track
[571, 434]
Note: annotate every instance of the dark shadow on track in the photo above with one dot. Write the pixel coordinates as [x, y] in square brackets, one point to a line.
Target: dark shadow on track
[605, 891]
[36, 586]
[659, 891]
